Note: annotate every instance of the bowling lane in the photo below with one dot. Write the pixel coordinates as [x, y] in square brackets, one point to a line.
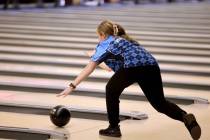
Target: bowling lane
[154, 128]
[45, 99]
[49, 99]
[42, 122]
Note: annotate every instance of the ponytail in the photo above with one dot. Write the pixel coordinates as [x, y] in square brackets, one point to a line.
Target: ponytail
[120, 31]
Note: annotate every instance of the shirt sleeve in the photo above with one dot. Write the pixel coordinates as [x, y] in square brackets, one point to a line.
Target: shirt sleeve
[100, 54]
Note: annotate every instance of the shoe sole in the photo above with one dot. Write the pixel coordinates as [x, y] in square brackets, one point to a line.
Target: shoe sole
[196, 130]
[108, 135]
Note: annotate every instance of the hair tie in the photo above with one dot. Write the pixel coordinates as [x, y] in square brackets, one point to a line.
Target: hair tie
[115, 29]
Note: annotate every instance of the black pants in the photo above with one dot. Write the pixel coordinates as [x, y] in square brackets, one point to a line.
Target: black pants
[149, 79]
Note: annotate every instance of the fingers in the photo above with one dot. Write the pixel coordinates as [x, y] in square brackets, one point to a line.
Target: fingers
[64, 94]
[58, 95]
[61, 94]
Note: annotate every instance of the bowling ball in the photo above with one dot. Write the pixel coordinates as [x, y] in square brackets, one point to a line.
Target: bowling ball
[60, 115]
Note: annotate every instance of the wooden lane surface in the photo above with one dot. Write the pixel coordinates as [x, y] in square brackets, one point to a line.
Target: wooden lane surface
[57, 85]
[169, 78]
[156, 21]
[162, 54]
[65, 70]
[80, 40]
[157, 127]
[68, 60]
[153, 36]
[103, 78]
[140, 31]
[81, 53]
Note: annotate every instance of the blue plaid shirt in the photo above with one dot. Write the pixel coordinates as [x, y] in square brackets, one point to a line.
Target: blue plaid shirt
[118, 53]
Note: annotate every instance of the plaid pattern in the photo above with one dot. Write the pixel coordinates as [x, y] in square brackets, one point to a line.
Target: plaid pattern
[115, 65]
[133, 54]
[124, 54]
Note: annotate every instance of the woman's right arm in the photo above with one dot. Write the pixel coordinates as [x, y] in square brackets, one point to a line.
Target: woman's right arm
[90, 67]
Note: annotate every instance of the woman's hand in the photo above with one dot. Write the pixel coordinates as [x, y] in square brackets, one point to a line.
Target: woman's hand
[65, 92]
[90, 53]
[105, 67]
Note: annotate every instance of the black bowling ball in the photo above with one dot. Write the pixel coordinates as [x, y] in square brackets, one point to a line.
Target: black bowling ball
[60, 115]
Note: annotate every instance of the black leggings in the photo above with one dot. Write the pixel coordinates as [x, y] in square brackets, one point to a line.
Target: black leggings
[149, 79]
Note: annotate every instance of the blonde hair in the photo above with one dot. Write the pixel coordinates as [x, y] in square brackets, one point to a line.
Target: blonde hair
[107, 28]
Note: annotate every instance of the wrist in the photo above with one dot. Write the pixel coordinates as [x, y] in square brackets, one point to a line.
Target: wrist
[71, 85]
